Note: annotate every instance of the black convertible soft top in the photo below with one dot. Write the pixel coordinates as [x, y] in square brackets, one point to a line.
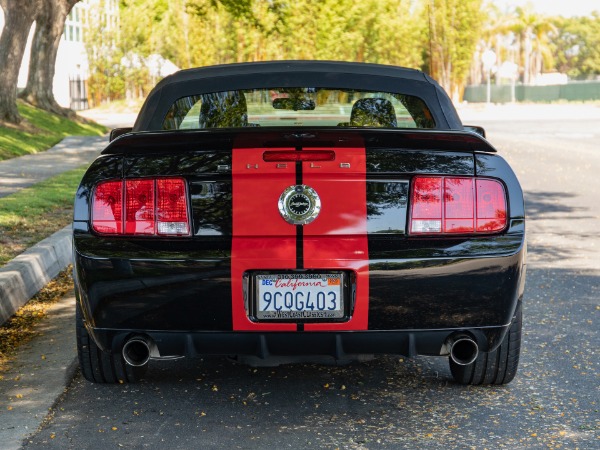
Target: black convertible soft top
[323, 74]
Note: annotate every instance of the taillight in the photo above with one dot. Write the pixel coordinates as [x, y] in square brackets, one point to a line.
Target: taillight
[491, 206]
[141, 207]
[171, 207]
[458, 205]
[107, 208]
[455, 205]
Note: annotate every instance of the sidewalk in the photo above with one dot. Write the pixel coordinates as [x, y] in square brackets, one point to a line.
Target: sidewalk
[39, 374]
[70, 153]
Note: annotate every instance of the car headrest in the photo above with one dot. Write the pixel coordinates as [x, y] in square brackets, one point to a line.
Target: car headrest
[223, 110]
[373, 112]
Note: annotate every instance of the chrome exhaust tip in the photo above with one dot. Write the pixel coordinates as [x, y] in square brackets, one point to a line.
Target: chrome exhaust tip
[136, 352]
[463, 349]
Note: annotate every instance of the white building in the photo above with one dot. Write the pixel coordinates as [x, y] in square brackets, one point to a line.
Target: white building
[71, 61]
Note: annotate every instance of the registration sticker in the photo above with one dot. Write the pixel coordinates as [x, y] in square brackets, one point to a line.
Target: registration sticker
[299, 296]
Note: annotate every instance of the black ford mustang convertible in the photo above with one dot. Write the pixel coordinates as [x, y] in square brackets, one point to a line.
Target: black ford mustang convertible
[295, 210]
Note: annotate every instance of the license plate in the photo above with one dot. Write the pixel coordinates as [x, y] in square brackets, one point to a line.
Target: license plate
[299, 296]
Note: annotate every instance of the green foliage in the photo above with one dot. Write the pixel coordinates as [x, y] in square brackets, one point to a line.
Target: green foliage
[34, 213]
[442, 37]
[106, 80]
[576, 44]
[43, 197]
[531, 31]
[384, 31]
[44, 130]
[454, 28]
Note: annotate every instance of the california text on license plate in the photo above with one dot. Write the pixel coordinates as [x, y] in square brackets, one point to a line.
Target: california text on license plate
[299, 296]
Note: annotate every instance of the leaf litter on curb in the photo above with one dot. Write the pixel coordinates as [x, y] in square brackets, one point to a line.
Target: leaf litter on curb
[19, 329]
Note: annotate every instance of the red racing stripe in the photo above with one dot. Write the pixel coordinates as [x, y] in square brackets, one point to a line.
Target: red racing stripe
[261, 238]
[337, 238]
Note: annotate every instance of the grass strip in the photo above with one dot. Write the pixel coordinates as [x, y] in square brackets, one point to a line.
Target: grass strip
[36, 212]
[40, 131]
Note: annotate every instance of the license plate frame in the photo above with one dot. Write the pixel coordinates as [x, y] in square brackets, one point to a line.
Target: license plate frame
[324, 311]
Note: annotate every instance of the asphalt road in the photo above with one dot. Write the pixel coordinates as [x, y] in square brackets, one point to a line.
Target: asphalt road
[392, 402]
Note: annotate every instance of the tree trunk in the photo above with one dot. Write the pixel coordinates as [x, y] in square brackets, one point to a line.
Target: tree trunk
[527, 68]
[18, 18]
[50, 21]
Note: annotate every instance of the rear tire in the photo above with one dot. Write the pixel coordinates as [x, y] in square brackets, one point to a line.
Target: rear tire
[497, 367]
[99, 366]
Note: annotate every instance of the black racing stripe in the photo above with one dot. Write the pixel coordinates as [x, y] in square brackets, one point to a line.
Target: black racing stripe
[299, 247]
[298, 172]
[299, 232]
[299, 228]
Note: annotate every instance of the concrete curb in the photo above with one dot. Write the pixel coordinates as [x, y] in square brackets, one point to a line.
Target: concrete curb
[24, 276]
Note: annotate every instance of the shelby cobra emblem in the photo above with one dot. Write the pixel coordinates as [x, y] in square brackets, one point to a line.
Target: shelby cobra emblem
[299, 204]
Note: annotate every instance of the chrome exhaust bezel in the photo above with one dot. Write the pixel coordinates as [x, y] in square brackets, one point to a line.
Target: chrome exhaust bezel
[469, 356]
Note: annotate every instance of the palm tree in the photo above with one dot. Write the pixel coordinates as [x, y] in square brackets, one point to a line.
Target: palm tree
[531, 30]
[496, 32]
[542, 52]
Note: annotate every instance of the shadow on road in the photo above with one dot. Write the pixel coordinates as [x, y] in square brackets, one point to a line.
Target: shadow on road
[540, 203]
[545, 212]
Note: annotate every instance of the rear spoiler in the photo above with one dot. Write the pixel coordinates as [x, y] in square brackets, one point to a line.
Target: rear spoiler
[271, 137]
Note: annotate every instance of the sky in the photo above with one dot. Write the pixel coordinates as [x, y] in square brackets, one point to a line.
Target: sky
[565, 8]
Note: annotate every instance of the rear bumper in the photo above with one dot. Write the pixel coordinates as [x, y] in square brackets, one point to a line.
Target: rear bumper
[404, 293]
[417, 299]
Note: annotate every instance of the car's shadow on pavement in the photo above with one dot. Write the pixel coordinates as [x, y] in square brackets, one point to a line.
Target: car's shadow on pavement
[545, 209]
[539, 203]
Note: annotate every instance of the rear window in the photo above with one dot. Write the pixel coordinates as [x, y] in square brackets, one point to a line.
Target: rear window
[300, 107]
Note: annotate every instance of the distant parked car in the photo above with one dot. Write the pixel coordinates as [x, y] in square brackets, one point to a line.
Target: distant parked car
[283, 211]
